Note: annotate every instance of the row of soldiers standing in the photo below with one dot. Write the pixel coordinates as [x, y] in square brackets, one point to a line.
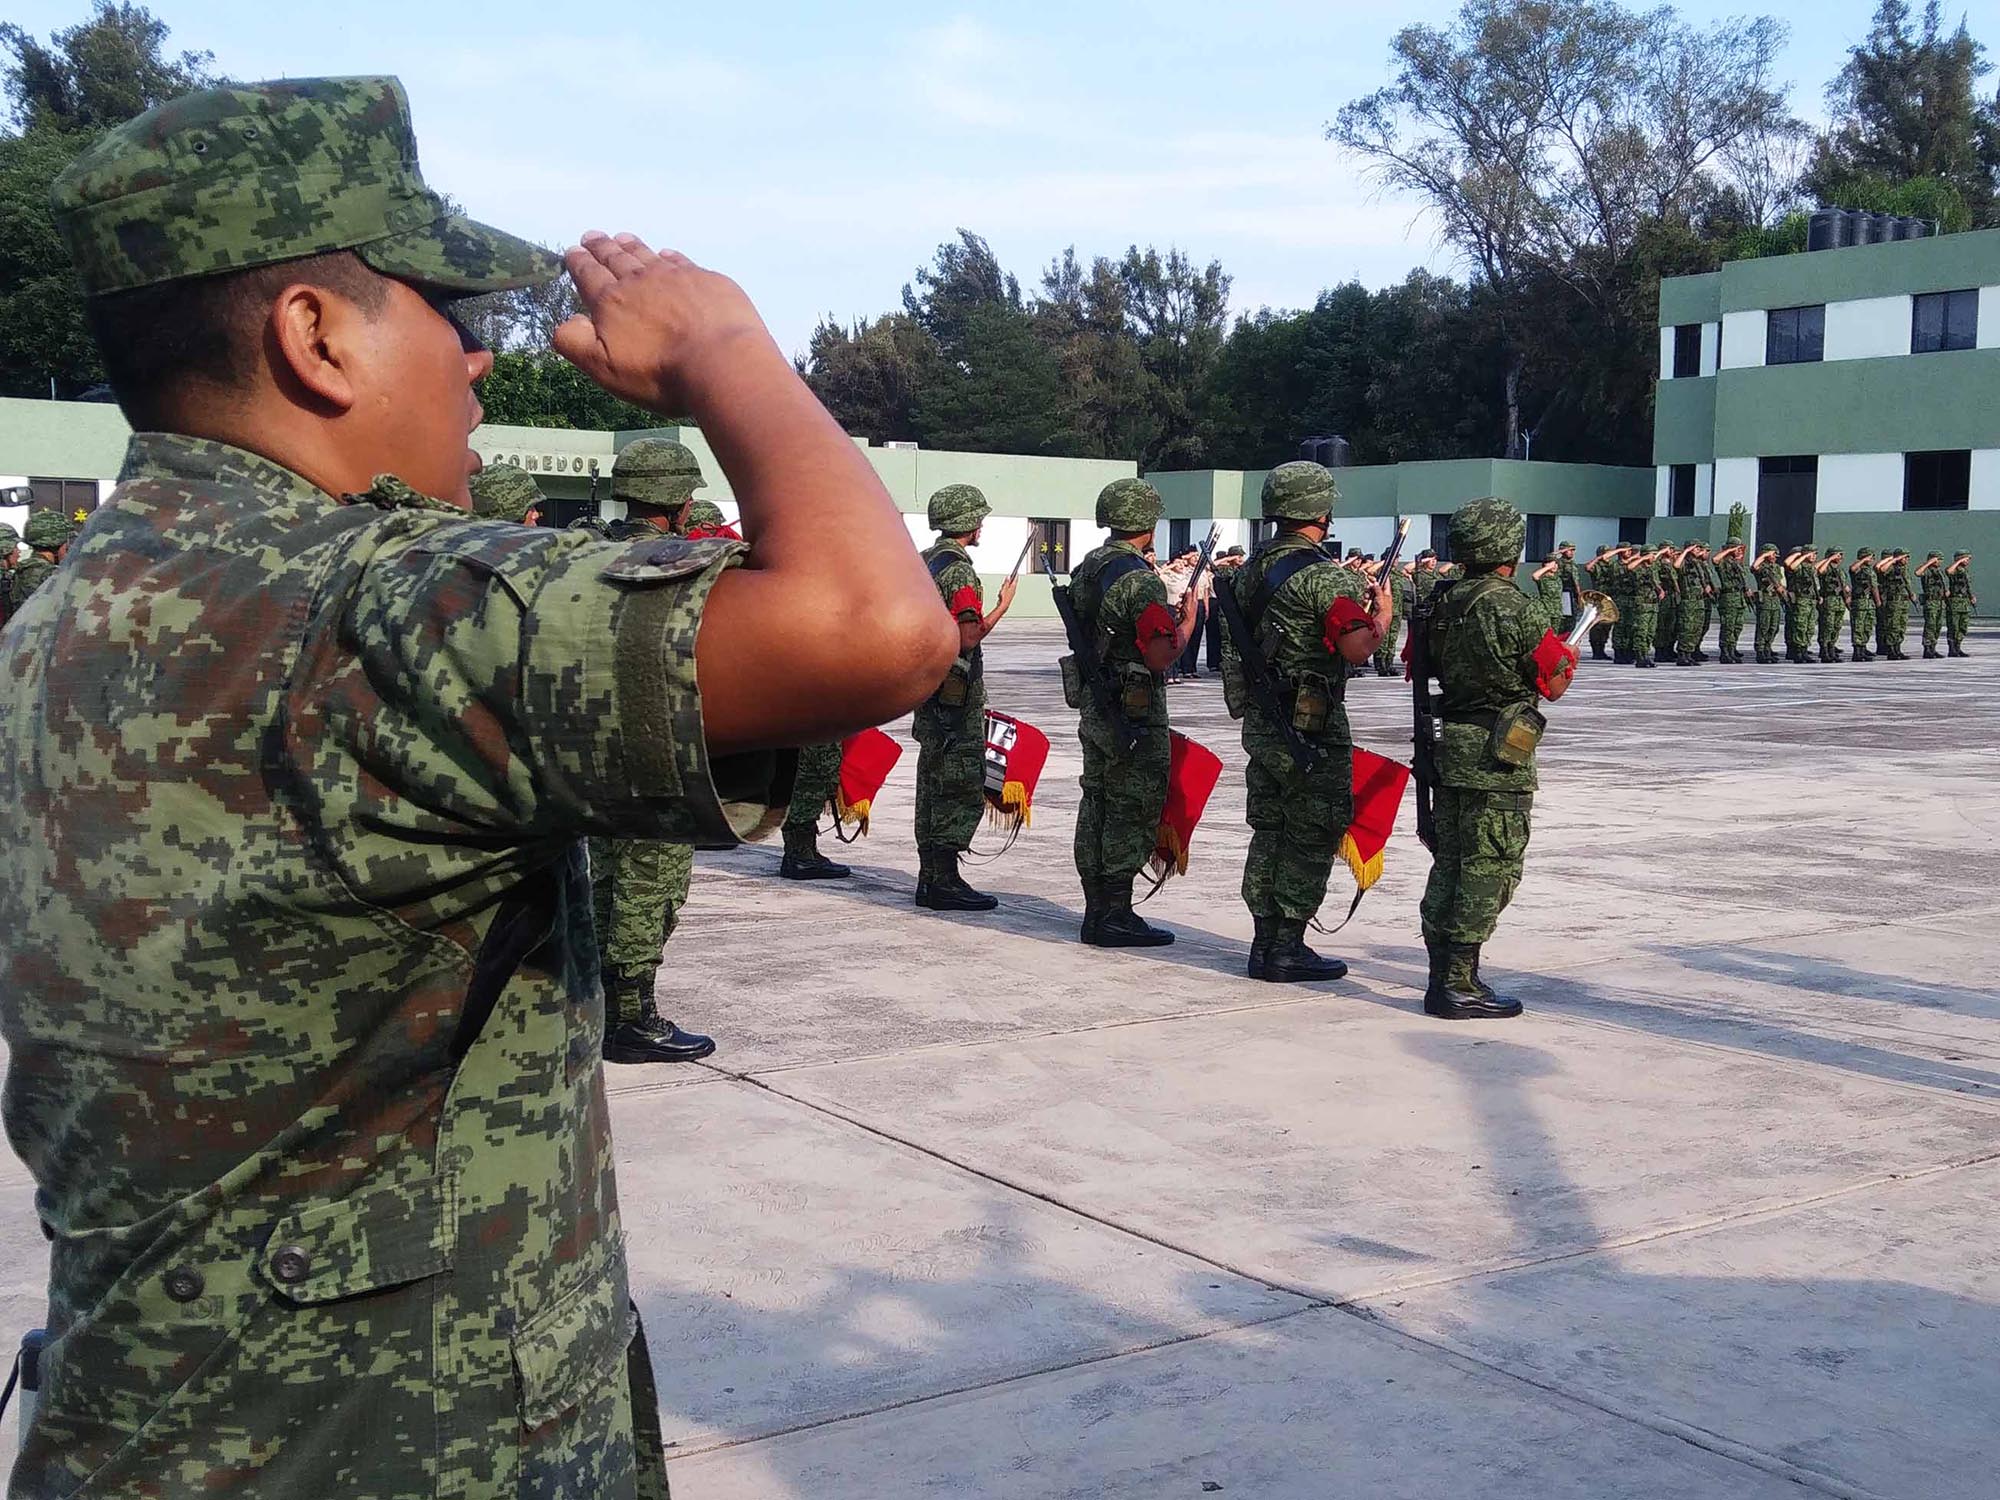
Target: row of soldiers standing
[47, 534]
[1669, 596]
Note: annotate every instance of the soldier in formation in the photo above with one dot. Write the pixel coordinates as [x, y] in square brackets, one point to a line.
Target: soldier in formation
[1311, 620]
[1549, 589]
[1602, 571]
[1647, 593]
[1802, 593]
[1833, 591]
[1864, 590]
[1396, 581]
[1959, 599]
[950, 725]
[1892, 620]
[48, 534]
[1767, 575]
[1732, 590]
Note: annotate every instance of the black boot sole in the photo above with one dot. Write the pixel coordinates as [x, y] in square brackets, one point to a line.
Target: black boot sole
[1472, 1010]
[1103, 939]
[1325, 972]
[788, 871]
[937, 901]
[615, 1053]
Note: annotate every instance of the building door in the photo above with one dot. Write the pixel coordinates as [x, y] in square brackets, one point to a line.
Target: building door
[1541, 538]
[1787, 500]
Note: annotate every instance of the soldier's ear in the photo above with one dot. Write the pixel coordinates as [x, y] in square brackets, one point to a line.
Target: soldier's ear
[310, 349]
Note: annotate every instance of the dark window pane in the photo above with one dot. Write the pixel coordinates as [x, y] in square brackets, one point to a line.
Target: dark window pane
[1937, 481]
[1927, 323]
[1050, 554]
[1961, 319]
[1541, 539]
[1944, 320]
[1680, 490]
[1631, 531]
[1687, 350]
[1795, 335]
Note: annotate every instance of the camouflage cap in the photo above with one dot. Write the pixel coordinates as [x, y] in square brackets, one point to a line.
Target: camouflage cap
[655, 471]
[228, 178]
[1487, 533]
[1861, 552]
[704, 513]
[10, 538]
[1565, 546]
[1934, 553]
[504, 492]
[1299, 491]
[48, 530]
[1961, 552]
[957, 509]
[1129, 505]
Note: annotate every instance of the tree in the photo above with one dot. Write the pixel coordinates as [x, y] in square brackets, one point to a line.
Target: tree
[1178, 317]
[1535, 131]
[1000, 393]
[98, 73]
[869, 375]
[1905, 106]
[1082, 316]
[528, 390]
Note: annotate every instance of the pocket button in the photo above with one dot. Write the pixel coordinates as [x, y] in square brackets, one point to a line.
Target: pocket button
[183, 1283]
[290, 1264]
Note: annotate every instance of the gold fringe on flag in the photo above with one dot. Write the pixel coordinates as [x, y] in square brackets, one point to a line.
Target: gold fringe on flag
[1366, 871]
[1013, 811]
[852, 812]
[1178, 864]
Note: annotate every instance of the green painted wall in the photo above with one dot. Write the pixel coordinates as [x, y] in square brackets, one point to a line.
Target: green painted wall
[1691, 299]
[1684, 421]
[61, 439]
[1941, 264]
[1434, 488]
[1895, 405]
[1920, 531]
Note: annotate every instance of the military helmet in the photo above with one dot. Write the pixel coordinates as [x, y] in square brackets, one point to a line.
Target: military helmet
[1565, 546]
[957, 509]
[1961, 552]
[10, 539]
[1934, 553]
[1487, 533]
[504, 492]
[1129, 505]
[1861, 552]
[1602, 548]
[1299, 491]
[704, 513]
[223, 179]
[47, 530]
[655, 471]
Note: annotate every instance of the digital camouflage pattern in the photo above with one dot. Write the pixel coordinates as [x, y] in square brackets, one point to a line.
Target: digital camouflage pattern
[505, 492]
[813, 789]
[1933, 590]
[655, 471]
[1398, 584]
[1732, 599]
[285, 783]
[1483, 638]
[1487, 533]
[228, 178]
[1864, 596]
[1124, 791]
[637, 890]
[1892, 619]
[1296, 818]
[957, 509]
[1644, 575]
[1959, 599]
[1548, 591]
[951, 741]
[1129, 505]
[1769, 575]
[1299, 491]
[1833, 594]
[1802, 625]
[703, 513]
[47, 530]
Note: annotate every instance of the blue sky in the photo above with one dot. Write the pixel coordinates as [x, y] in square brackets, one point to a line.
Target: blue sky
[818, 154]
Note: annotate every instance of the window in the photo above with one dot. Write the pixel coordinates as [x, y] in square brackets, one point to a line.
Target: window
[1180, 535]
[1680, 490]
[1050, 554]
[1944, 320]
[1261, 531]
[1937, 481]
[1687, 350]
[1631, 531]
[1795, 335]
[1541, 540]
[67, 496]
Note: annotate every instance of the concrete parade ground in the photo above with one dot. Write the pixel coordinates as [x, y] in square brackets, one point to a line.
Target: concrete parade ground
[963, 1208]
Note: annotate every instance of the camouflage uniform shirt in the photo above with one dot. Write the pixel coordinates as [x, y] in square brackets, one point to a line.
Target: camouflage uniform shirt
[1483, 641]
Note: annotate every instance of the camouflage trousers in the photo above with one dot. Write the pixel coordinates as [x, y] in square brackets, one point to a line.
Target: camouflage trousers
[1770, 615]
[1600, 635]
[1297, 819]
[1385, 654]
[1832, 615]
[1482, 846]
[1958, 621]
[951, 785]
[637, 890]
[1118, 820]
[1892, 623]
[1730, 614]
[817, 781]
[1666, 626]
[1861, 626]
[1644, 619]
[1933, 622]
[1694, 625]
[1802, 628]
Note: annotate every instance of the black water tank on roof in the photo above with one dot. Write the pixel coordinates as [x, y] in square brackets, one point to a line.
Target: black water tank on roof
[1823, 229]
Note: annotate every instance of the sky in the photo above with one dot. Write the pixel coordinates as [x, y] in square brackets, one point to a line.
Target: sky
[819, 154]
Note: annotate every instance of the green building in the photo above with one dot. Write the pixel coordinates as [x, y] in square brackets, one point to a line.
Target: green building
[1850, 396]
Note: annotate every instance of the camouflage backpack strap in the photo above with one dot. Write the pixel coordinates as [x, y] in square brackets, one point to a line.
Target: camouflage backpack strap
[1280, 573]
[1101, 578]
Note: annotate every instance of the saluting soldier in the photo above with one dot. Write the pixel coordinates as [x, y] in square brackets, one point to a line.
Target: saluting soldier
[1833, 589]
[1731, 601]
[1892, 621]
[1769, 575]
[1549, 589]
[1936, 590]
[1310, 619]
[1647, 593]
[1394, 580]
[950, 725]
[1802, 589]
[1603, 571]
[1959, 601]
[1864, 596]
[1122, 606]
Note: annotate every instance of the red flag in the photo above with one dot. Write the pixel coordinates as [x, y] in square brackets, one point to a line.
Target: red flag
[866, 759]
[1191, 776]
[1016, 751]
[1378, 796]
[1552, 652]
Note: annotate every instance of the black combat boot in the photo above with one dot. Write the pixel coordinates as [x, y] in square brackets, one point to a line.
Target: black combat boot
[1260, 944]
[652, 1038]
[1684, 658]
[1701, 656]
[1292, 962]
[1118, 926]
[1956, 650]
[1460, 996]
[1093, 911]
[1596, 652]
[945, 889]
[1645, 659]
[1931, 654]
[803, 861]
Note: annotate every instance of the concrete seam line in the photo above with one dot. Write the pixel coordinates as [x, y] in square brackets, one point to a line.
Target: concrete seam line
[1686, 1432]
[1269, 1284]
[982, 1387]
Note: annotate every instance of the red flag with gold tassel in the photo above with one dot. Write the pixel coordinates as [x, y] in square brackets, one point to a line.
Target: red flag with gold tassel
[1016, 751]
[1192, 772]
[1378, 797]
[866, 759]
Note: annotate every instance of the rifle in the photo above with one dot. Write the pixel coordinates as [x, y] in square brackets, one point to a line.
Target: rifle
[1257, 675]
[1424, 738]
[1207, 556]
[1090, 666]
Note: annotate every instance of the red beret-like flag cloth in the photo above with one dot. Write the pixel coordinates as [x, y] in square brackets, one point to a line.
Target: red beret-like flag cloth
[1552, 654]
[1016, 751]
[1378, 796]
[866, 759]
[704, 533]
[1192, 772]
[1155, 623]
[965, 602]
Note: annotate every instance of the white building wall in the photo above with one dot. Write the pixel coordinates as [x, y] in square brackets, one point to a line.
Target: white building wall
[1984, 493]
[1588, 532]
[1666, 351]
[1743, 339]
[1365, 533]
[1989, 317]
[1872, 328]
[1736, 481]
[1711, 347]
[1663, 489]
[1860, 481]
[1704, 489]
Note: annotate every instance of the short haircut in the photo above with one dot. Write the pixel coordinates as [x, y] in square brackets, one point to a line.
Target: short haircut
[154, 338]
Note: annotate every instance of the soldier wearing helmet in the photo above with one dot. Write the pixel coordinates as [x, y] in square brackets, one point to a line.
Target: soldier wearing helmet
[506, 492]
[48, 534]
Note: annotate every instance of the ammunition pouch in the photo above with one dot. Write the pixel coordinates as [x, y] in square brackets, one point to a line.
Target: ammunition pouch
[1235, 691]
[1074, 692]
[1313, 698]
[956, 688]
[1135, 692]
[1511, 734]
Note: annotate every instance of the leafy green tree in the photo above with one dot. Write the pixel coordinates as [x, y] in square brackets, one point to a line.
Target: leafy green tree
[1178, 317]
[98, 73]
[869, 375]
[999, 391]
[527, 390]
